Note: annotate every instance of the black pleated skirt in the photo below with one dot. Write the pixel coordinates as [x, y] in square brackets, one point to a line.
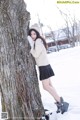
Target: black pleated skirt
[45, 72]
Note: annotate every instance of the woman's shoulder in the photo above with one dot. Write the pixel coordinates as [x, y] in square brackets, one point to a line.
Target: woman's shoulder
[38, 40]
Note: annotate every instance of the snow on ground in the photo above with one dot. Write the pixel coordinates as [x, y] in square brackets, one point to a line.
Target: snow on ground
[66, 65]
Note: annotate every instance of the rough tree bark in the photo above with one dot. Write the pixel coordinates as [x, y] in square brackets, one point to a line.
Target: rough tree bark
[20, 93]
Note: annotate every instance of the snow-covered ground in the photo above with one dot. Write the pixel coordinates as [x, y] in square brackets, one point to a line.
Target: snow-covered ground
[66, 65]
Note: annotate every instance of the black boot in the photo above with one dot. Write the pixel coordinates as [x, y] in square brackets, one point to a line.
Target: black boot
[47, 114]
[58, 107]
[62, 106]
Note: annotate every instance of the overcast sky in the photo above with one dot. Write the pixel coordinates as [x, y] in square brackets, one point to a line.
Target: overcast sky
[49, 13]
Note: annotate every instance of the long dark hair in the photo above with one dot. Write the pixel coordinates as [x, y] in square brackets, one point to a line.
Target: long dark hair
[38, 36]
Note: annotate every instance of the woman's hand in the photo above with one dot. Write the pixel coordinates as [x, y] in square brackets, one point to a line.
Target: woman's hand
[31, 42]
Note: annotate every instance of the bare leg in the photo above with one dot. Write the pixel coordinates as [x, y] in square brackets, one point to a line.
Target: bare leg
[61, 105]
[47, 85]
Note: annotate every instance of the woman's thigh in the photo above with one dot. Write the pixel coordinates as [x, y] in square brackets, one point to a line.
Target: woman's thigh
[46, 82]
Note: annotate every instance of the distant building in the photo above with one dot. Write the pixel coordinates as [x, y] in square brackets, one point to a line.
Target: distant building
[60, 37]
[54, 37]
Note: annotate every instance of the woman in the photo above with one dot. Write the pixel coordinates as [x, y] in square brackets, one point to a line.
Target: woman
[38, 51]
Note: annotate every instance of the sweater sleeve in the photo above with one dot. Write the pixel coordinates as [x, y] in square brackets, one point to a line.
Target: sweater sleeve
[38, 48]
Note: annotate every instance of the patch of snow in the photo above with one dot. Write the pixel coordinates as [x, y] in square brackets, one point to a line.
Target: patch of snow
[66, 65]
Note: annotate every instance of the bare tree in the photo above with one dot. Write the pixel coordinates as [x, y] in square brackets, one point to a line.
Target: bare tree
[20, 95]
[51, 31]
[78, 32]
[40, 24]
[71, 28]
[53, 37]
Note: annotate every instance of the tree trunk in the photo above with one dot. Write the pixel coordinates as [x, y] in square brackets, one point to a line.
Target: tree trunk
[20, 95]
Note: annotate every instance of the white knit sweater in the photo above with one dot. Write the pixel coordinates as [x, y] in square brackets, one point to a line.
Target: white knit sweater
[39, 53]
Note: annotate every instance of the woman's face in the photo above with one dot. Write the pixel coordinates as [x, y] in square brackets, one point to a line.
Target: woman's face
[33, 35]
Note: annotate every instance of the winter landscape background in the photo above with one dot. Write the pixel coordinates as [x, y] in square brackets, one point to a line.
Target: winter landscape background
[66, 62]
[66, 65]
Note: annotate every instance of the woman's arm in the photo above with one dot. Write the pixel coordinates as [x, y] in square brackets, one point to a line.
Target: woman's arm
[31, 42]
[38, 48]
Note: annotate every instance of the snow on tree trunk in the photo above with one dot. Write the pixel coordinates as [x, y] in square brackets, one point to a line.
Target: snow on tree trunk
[20, 93]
